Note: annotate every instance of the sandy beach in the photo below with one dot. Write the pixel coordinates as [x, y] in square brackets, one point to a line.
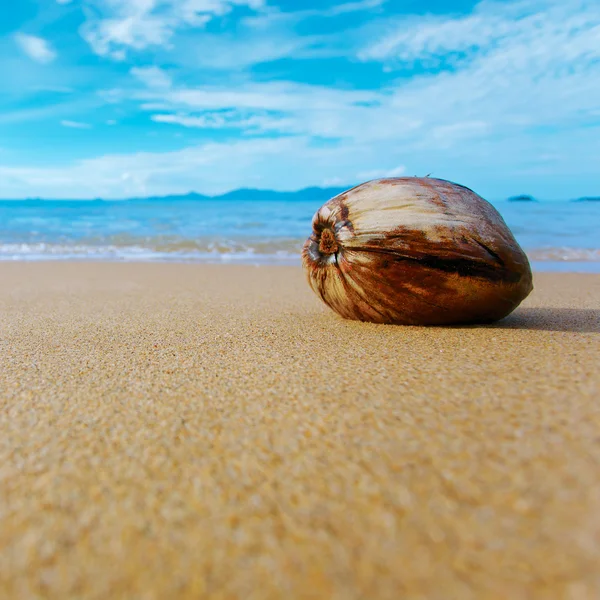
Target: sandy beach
[197, 431]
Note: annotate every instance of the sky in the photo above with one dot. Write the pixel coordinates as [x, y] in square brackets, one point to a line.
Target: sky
[121, 98]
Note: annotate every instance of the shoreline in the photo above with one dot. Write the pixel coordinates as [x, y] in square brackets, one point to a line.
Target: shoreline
[190, 431]
[537, 266]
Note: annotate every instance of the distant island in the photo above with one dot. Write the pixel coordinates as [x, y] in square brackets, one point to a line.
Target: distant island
[587, 199]
[522, 198]
[313, 194]
[310, 193]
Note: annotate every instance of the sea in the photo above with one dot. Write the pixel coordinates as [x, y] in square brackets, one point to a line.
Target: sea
[557, 235]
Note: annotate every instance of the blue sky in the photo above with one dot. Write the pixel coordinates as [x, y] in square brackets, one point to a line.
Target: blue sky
[114, 98]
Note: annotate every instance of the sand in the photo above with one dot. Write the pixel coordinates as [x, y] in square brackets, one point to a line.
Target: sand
[187, 431]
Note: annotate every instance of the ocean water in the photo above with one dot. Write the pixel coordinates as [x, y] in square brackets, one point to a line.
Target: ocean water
[563, 236]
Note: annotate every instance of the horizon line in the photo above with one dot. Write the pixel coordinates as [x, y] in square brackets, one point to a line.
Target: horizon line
[520, 198]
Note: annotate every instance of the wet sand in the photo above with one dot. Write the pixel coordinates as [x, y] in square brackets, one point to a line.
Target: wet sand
[185, 431]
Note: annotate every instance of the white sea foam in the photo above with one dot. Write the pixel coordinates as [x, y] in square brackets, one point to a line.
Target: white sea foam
[565, 254]
[50, 252]
[284, 251]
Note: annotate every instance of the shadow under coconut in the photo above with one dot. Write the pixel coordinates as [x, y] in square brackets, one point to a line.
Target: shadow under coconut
[582, 320]
[576, 320]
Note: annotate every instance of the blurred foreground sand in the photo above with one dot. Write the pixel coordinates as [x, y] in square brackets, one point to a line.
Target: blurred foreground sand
[185, 431]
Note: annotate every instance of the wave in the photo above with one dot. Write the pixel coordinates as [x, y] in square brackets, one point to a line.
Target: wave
[212, 254]
[215, 250]
[565, 254]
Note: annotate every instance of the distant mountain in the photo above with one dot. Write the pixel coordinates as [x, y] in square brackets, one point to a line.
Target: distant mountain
[192, 196]
[522, 198]
[311, 193]
[587, 199]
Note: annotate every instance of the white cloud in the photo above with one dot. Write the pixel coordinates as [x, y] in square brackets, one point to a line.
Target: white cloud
[431, 39]
[64, 1]
[271, 15]
[379, 173]
[153, 77]
[232, 119]
[275, 107]
[290, 163]
[348, 7]
[281, 163]
[516, 66]
[75, 124]
[247, 46]
[446, 136]
[206, 121]
[276, 95]
[530, 31]
[271, 34]
[118, 25]
[35, 47]
[268, 33]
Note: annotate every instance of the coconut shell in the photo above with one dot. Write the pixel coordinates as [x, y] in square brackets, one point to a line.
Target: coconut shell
[417, 251]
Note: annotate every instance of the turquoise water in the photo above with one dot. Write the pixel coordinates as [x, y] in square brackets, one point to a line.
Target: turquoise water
[556, 235]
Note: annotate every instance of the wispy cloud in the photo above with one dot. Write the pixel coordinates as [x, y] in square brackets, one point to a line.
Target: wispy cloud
[535, 32]
[119, 25]
[281, 95]
[285, 163]
[35, 47]
[284, 107]
[231, 119]
[377, 173]
[272, 14]
[206, 121]
[206, 167]
[348, 7]
[75, 124]
[153, 77]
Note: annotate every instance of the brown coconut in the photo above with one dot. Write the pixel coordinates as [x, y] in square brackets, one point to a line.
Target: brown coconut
[415, 250]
